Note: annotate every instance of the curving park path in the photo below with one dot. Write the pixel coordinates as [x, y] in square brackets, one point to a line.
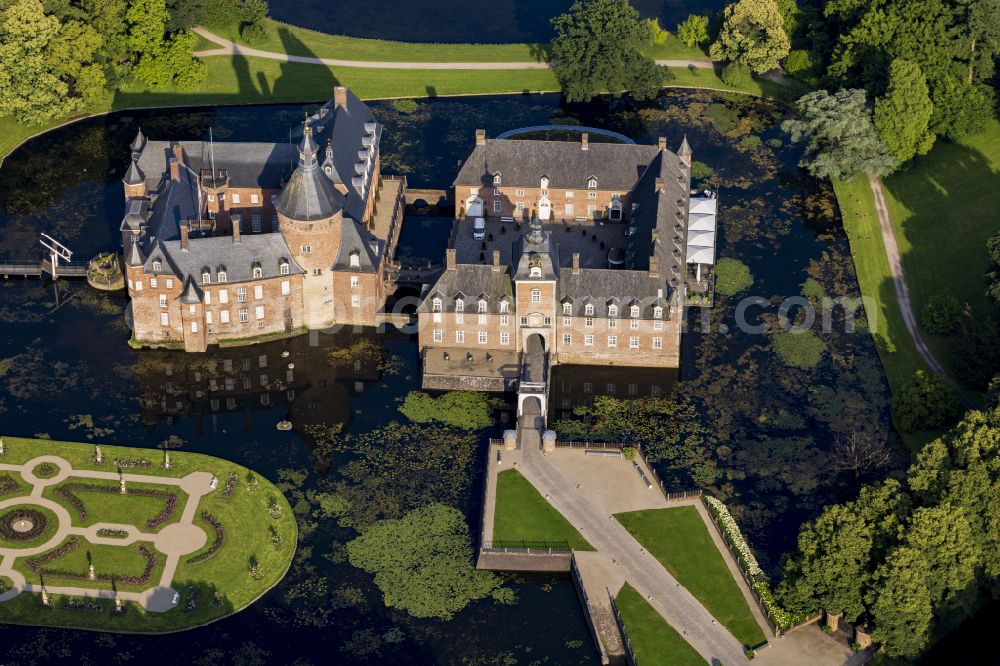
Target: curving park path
[902, 291]
[228, 48]
[174, 541]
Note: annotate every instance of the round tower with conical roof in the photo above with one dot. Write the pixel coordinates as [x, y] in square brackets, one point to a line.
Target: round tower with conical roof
[310, 216]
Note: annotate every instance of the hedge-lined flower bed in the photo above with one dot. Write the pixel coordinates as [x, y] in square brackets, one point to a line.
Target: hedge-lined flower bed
[82, 605]
[133, 463]
[8, 485]
[36, 566]
[231, 479]
[65, 491]
[781, 618]
[112, 534]
[37, 519]
[35, 563]
[220, 538]
[146, 573]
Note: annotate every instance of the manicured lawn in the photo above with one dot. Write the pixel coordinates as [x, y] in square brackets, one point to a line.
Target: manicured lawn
[944, 208]
[112, 507]
[108, 561]
[249, 530]
[522, 514]
[654, 641]
[675, 49]
[679, 539]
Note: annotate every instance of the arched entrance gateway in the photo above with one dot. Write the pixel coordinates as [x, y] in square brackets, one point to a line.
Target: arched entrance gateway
[532, 386]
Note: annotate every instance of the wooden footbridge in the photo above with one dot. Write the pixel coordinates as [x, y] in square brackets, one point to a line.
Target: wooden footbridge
[41, 267]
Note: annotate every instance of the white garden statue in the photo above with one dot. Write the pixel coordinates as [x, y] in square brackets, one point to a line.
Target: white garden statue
[93, 575]
[123, 491]
[98, 457]
[3, 449]
[45, 598]
[118, 603]
[166, 461]
[215, 483]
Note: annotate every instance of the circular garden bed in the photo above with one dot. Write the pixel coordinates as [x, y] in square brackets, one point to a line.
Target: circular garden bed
[45, 470]
[26, 526]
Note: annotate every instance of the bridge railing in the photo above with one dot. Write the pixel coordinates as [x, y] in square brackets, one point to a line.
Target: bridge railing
[527, 547]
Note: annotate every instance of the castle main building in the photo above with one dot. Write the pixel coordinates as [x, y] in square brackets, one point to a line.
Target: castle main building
[566, 253]
[231, 241]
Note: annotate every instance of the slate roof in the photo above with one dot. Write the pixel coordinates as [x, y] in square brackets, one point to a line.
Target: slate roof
[355, 239]
[309, 194]
[522, 163]
[536, 246]
[471, 281]
[602, 286]
[134, 175]
[134, 257]
[136, 214]
[191, 295]
[177, 201]
[248, 164]
[220, 252]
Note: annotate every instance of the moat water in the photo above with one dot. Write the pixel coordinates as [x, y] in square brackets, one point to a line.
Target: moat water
[459, 21]
[66, 371]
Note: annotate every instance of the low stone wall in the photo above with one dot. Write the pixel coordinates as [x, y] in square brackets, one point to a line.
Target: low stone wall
[498, 560]
[465, 383]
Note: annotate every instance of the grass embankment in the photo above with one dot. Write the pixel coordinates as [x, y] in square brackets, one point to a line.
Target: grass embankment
[679, 539]
[522, 514]
[653, 640]
[248, 529]
[294, 40]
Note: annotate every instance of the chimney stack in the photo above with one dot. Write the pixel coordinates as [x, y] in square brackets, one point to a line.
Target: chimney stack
[236, 219]
[496, 260]
[175, 169]
[184, 237]
[480, 137]
[340, 97]
[585, 141]
[576, 263]
[660, 185]
[662, 143]
[449, 259]
[654, 267]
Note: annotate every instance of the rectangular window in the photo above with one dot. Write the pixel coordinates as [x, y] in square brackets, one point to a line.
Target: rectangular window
[504, 321]
[545, 193]
[505, 338]
[519, 206]
[591, 195]
[459, 318]
[567, 339]
[610, 388]
[482, 337]
[655, 389]
[524, 321]
[223, 296]
[569, 210]
[438, 335]
[254, 199]
[258, 292]
[482, 320]
[588, 341]
[241, 295]
[244, 317]
[536, 296]
[473, 191]
[192, 310]
[633, 389]
[163, 300]
[591, 210]
[236, 197]
[634, 324]
[567, 321]
[354, 280]
[224, 316]
[569, 195]
[262, 360]
[170, 283]
[657, 325]
[208, 317]
[612, 341]
[496, 206]
[211, 197]
[589, 321]
[259, 311]
[164, 319]
[194, 327]
[612, 323]
[633, 342]
[208, 298]
[496, 191]
[520, 193]
[355, 301]
[286, 287]
[306, 249]
[503, 306]
[657, 343]
[459, 336]
[588, 387]
[255, 223]
[153, 283]
[317, 271]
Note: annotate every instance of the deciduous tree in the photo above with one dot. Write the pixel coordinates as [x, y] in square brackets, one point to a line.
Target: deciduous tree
[29, 89]
[693, 30]
[753, 34]
[903, 114]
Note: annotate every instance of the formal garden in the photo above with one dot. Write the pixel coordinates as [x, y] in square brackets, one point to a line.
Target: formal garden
[134, 540]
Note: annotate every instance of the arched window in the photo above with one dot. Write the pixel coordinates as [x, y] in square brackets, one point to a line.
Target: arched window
[283, 268]
[612, 310]
[206, 277]
[222, 275]
[459, 305]
[588, 309]
[258, 272]
[635, 310]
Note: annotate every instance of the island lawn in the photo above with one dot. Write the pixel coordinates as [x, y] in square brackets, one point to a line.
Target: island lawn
[679, 539]
[653, 640]
[247, 526]
[522, 514]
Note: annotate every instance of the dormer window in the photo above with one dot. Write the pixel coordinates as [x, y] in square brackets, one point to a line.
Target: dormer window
[588, 309]
[592, 183]
[355, 260]
[567, 308]
[436, 305]
[459, 305]
[545, 182]
[482, 306]
[222, 276]
[206, 277]
[283, 268]
[157, 266]
[657, 312]
[496, 180]
[635, 310]
[258, 272]
[503, 306]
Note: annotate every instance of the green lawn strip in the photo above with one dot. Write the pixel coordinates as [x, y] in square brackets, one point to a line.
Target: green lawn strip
[522, 514]
[679, 539]
[114, 561]
[128, 509]
[245, 518]
[653, 640]
[51, 525]
[899, 354]
[675, 49]
[943, 209]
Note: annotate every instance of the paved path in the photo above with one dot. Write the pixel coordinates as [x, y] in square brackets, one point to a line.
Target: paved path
[175, 540]
[899, 282]
[643, 571]
[227, 48]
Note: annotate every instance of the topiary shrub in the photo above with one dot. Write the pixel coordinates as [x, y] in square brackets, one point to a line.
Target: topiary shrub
[732, 276]
[801, 349]
[926, 402]
[253, 33]
[736, 75]
[941, 314]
